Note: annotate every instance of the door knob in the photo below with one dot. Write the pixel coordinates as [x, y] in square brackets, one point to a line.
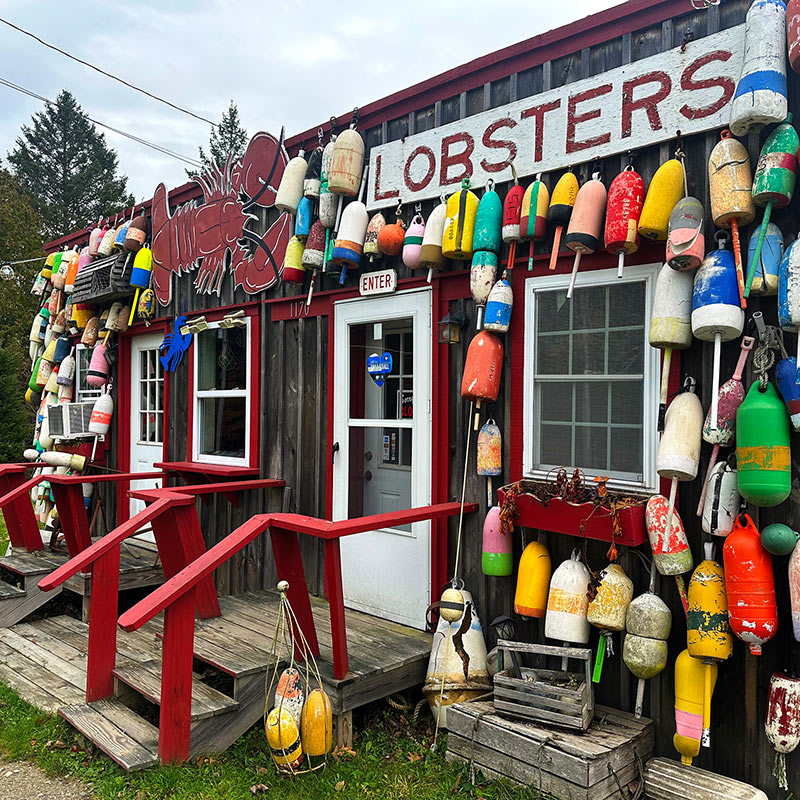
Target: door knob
[368, 475]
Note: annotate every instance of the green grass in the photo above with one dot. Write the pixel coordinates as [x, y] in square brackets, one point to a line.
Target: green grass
[3, 535]
[392, 761]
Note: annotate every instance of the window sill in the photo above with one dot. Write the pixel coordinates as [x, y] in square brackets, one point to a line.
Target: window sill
[223, 471]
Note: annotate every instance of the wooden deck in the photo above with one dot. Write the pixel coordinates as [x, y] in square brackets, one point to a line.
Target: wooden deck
[45, 661]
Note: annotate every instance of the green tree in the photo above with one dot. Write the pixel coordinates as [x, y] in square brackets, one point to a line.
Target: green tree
[20, 238]
[64, 164]
[228, 137]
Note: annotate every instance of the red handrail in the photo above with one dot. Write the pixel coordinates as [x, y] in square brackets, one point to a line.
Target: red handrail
[176, 598]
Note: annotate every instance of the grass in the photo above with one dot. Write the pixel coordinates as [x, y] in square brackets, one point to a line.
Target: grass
[391, 760]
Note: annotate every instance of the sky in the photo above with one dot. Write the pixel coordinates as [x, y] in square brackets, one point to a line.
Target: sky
[283, 63]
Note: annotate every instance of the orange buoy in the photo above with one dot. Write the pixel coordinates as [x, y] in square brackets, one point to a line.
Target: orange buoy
[482, 370]
[392, 235]
[750, 584]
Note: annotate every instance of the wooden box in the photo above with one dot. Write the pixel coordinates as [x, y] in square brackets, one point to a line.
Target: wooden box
[559, 516]
[568, 765]
[558, 698]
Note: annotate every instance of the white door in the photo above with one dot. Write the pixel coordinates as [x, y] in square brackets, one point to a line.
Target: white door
[382, 425]
[147, 412]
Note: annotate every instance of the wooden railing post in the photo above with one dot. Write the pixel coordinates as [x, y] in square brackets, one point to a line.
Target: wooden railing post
[72, 516]
[23, 530]
[191, 538]
[333, 586]
[175, 720]
[101, 659]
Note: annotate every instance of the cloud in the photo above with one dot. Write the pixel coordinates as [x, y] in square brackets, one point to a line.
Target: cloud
[283, 63]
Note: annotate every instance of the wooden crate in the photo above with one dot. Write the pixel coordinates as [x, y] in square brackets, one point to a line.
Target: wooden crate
[567, 765]
[562, 699]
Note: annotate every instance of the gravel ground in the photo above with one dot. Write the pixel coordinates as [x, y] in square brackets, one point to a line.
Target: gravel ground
[22, 781]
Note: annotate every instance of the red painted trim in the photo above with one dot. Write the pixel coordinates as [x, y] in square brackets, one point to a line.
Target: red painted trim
[572, 38]
[330, 454]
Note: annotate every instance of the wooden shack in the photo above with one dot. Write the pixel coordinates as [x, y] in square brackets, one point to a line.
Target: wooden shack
[580, 384]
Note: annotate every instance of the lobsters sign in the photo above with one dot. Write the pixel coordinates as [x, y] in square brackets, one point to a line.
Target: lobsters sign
[686, 89]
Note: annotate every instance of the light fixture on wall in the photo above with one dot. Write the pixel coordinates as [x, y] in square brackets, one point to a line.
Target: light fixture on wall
[7, 272]
[450, 326]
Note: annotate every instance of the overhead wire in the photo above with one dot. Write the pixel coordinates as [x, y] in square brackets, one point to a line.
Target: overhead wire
[165, 151]
[107, 74]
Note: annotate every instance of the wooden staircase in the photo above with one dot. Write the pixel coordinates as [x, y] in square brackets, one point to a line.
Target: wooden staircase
[19, 593]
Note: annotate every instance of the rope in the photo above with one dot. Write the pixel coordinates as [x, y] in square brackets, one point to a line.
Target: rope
[463, 490]
[763, 361]
[478, 718]
[398, 705]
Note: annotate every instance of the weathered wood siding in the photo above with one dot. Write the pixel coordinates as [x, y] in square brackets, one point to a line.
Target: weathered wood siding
[294, 387]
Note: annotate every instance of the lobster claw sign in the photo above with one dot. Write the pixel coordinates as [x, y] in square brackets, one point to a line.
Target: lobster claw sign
[221, 233]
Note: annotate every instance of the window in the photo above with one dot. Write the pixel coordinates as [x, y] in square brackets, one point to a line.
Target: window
[222, 399]
[150, 407]
[591, 378]
[84, 392]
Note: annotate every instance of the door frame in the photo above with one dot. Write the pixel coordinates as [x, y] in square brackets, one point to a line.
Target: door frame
[378, 309]
[124, 389]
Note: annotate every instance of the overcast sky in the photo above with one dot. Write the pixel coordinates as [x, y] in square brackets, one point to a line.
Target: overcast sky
[282, 62]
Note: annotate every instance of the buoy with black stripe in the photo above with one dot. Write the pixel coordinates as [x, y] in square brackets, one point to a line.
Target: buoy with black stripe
[283, 738]
[459, 224]
[560, 211]
[586, 223]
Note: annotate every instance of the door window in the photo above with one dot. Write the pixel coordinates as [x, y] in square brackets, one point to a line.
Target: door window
[151, 398]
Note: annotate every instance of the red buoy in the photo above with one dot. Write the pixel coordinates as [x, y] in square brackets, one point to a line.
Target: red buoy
[482, 369]
[623, 209]
[750, 585]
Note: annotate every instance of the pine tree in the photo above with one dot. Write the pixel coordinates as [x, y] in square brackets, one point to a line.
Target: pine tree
[64, 164]
[20, 238]
[228, 137]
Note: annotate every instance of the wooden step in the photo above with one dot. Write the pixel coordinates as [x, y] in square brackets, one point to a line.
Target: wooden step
[16, 603]
[10, 592]
[146, 679]
[119, 732]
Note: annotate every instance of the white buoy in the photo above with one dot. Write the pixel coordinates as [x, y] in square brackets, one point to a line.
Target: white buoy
[722, 500]
[761, 97]
[290, 192]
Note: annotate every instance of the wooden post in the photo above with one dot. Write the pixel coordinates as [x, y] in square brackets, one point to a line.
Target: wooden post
[333, 585]
[289, 565]
[72, 515]
[175, 720]
[23, 530]
[191, 537]
[102, 654]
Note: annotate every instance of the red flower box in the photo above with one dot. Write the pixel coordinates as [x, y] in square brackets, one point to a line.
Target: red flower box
[560, 516]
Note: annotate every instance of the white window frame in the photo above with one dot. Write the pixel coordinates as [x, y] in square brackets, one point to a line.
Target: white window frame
[91, 393]
[651, 382]
[204, 458]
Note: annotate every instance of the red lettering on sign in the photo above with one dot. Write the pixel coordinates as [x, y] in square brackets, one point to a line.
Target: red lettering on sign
[538, 112]
[574, 119]
[380, 195]
[455, 159]
[418, 186]
[648, 103]
[689, 84]
[488, 141]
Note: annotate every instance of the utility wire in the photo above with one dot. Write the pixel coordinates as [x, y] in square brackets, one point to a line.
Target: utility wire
[107, 74]
[190, 161]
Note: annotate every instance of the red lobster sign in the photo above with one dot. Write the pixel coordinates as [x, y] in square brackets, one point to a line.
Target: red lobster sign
[213, 237]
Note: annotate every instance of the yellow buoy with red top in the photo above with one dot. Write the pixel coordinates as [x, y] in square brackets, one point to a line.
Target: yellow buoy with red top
[459, 224]
[666, 188]
[690, 689]
[560, 211]
[533, 581]
[293, 269]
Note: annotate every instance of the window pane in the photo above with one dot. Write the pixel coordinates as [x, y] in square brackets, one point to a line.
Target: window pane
[626, 352]
[589, 308]
[591, 447]
[552, 311]
[142, 426]
[626, 450]
[628, 305]
[626, 402]
[553, 355]
[556, 402]
[588, 353]
[222, 426]
[556, 445]
[591, 401]
[222, 359]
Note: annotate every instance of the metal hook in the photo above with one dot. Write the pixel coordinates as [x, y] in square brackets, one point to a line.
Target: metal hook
[490, 184]
[399, 210]
[354, 121]
[679, 152]
[689, 384]
[334, 126]
[319, 135]
[418, 208]
[514, 173]
[630, 159]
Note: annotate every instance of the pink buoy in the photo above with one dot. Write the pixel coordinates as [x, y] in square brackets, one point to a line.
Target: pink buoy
[497, 558]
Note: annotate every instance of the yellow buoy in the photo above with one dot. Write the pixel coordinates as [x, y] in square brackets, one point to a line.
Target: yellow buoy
[708, 632]
[459, 224]
[689, 692]
[664, 191]
[284, 742]
[316, 725]
[533, 581]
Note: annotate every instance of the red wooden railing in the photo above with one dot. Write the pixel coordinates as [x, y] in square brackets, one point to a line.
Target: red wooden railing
[179, 539]
[177, 599]
[17, 508]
